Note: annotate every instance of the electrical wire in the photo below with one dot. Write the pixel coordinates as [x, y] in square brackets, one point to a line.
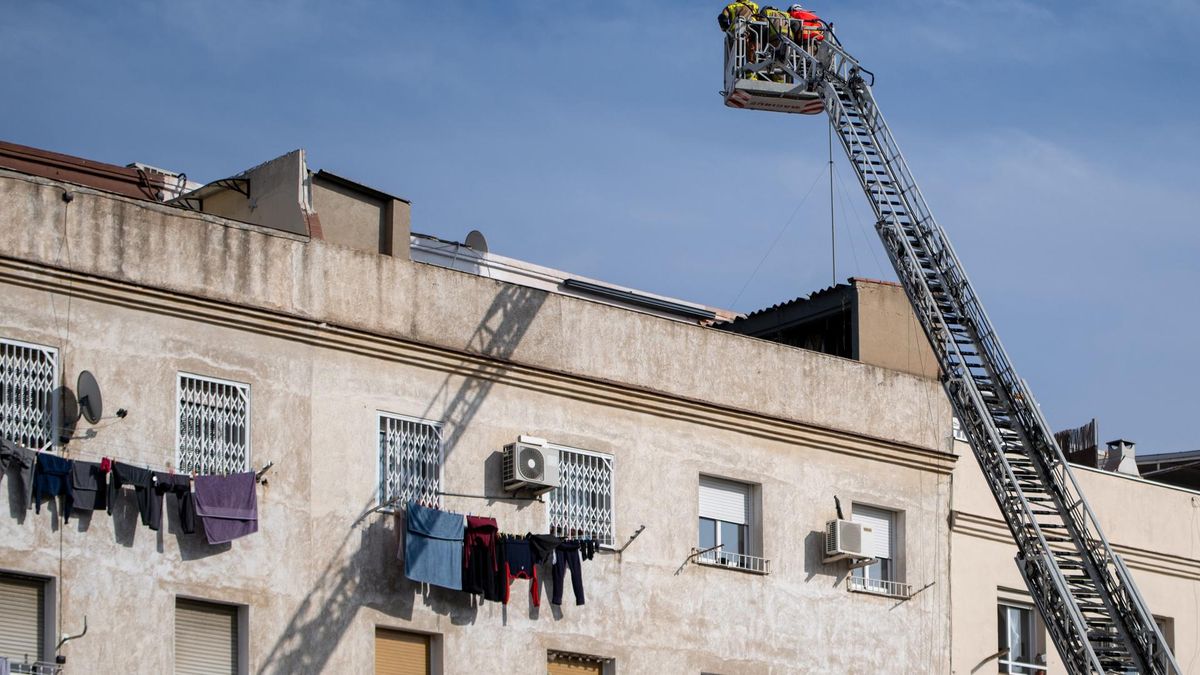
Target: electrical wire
[777, 238]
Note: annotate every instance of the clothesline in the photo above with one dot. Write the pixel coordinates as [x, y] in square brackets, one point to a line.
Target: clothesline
[66, 453]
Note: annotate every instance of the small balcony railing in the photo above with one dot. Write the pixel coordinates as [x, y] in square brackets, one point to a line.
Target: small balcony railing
[34, 668]
[892, 589]
[718, 557]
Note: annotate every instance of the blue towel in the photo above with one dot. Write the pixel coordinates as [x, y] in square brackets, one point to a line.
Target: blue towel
[433, 547]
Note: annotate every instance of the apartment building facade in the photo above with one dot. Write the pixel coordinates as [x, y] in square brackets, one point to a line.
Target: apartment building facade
[244, 325]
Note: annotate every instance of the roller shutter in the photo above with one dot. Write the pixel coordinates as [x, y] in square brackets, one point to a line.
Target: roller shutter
[724, 500]
[400, 653]
[22, 603]
[878, 542]
[206, 638]
[565, 667]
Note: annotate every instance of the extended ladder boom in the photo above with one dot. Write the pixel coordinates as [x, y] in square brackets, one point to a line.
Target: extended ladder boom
[1084, 592]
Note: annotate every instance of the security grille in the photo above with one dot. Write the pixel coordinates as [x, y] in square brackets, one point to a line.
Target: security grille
[213, 431]
[28, 378]
[410, 461]
[582, 506]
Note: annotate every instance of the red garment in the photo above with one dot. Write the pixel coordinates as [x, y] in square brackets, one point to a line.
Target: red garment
[810, 24]
[105, 465]
[484, 532]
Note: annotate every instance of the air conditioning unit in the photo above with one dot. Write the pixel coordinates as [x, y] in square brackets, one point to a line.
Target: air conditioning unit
[846, 539]
[530, 467]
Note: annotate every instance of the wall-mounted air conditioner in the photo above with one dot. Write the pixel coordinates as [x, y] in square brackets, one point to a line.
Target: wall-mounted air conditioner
[846, 539]
[530, 466]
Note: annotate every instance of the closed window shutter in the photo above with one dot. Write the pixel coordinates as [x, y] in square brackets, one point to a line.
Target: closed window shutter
[206, 638]
[21, 618]
[878, 542]
[724, 500]
[565, 667]
[400, 653]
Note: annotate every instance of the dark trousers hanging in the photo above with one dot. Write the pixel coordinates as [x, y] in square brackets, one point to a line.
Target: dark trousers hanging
[567, 557]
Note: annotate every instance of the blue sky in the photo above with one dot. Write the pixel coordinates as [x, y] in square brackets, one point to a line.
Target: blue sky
[1053, 141]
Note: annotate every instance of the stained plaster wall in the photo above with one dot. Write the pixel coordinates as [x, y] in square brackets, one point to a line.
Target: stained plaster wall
[325, 345]
[1155, 528]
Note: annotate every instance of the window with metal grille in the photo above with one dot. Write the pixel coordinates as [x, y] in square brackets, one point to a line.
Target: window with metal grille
[212, 434]
[410, 461]
[28, 378]
[582, 505]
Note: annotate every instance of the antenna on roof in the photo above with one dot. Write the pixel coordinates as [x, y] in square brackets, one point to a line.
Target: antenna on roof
[476, 241]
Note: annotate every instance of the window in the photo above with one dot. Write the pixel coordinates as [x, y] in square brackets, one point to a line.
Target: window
[213, 425]
[879, 541]
[728, 527]
[207, 637]
[401, 653]
[582, 506]
[960, 434]
[28, 380]
[22, 618]
[1022, 639]
[410, 461]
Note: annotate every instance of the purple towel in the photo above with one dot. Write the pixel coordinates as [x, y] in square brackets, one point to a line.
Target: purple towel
[227, 506]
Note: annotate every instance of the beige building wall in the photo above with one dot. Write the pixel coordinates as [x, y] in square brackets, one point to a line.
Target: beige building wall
[353, 218]
[888, 333]
[327, 337]
[1151, 526]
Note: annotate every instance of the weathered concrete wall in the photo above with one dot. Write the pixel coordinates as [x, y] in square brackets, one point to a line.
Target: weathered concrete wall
[888, 335]
[317, 584]
[348, 219]
[1152, 527]
[276, 196]
[165, 248]
[327, 337]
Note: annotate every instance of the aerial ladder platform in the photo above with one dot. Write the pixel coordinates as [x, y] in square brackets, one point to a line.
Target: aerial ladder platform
[1087, 599]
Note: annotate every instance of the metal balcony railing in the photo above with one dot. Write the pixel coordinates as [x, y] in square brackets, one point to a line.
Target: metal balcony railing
[34, 668]
[893, 589]
[717, 557]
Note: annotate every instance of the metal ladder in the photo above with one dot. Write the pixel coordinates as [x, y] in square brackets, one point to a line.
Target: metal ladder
[1090, 605]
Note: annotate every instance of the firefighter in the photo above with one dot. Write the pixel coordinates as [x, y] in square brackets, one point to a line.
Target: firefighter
[739, 9]
[807, 28]
[779, 26]
[728, 21]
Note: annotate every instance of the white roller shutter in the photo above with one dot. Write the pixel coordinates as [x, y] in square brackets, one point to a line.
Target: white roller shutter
[878, 542]
[724, 500]
[22, 603]
[206, 637]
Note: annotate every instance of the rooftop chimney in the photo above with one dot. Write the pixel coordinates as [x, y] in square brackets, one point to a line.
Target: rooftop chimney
[1122, 457]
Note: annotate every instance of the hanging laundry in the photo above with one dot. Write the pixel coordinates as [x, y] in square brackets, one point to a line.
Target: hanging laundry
[52, 478]
[566, 557]
[227, 506]
[433, 547]
[543, 546]
[180, 486]
[518, 564]
[89, 487]
[142, 481]
[480, 560]
[13, 456]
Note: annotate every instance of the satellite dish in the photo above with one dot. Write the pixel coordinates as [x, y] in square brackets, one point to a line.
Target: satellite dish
[476, 241]
[91, 404]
